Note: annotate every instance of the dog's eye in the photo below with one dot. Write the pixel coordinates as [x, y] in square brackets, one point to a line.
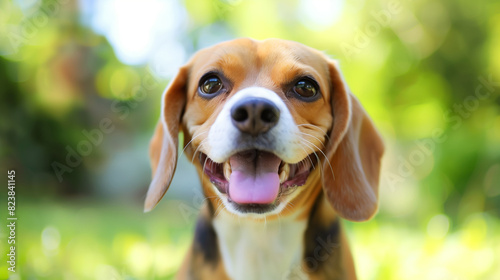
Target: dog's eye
[306, 88]
[211, 85]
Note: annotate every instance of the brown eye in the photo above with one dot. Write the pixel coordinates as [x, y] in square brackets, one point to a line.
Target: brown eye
[306, 88]
[211, 85]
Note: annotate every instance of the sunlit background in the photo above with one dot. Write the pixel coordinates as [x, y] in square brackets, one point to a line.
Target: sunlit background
[80, 88]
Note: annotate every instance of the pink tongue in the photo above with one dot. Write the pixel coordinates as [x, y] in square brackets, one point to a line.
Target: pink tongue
[254, 177]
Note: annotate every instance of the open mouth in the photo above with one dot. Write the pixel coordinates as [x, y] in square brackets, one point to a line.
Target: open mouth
[255, 180]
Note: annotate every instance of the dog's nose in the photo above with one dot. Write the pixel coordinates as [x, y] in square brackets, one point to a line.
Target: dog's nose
[254, 115]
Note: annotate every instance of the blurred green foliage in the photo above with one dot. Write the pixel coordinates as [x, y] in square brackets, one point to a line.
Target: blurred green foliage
[427, 72]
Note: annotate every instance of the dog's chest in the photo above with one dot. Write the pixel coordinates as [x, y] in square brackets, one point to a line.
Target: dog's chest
[256, 250]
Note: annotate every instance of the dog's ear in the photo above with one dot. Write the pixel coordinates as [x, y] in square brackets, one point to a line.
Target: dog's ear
[163, 147]
[354, 153]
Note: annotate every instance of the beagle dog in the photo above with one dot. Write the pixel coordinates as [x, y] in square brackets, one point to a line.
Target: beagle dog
[283, 150]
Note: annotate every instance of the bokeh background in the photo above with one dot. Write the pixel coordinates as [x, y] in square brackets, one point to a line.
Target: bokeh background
[79, 97]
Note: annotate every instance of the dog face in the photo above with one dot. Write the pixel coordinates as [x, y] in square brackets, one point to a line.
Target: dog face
[268, 124]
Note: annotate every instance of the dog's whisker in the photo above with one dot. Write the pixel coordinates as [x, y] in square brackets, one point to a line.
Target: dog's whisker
[309, 156]
[310, 135]
[326, 158]
[316, 127]
[318, 161]
[312, 150]
[317, 158]
[194, 137]
[196, 151]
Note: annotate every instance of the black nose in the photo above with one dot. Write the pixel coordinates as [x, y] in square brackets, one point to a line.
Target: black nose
[254, 115]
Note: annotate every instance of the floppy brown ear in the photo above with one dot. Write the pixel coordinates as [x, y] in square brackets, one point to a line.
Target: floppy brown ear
[163, 147]
[355, 151]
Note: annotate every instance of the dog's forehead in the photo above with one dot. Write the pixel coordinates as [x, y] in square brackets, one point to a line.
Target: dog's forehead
[276, 59]
[261, 51]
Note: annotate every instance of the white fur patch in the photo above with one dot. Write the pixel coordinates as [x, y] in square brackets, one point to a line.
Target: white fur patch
[254, 250]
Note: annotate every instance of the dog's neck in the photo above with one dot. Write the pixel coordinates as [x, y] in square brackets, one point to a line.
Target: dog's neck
[260, 250]
[274, 248]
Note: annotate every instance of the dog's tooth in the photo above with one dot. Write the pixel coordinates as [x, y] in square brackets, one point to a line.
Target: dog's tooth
[227, 170]
[284, 172]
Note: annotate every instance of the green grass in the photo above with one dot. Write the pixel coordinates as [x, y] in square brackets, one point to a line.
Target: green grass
[98, 240]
